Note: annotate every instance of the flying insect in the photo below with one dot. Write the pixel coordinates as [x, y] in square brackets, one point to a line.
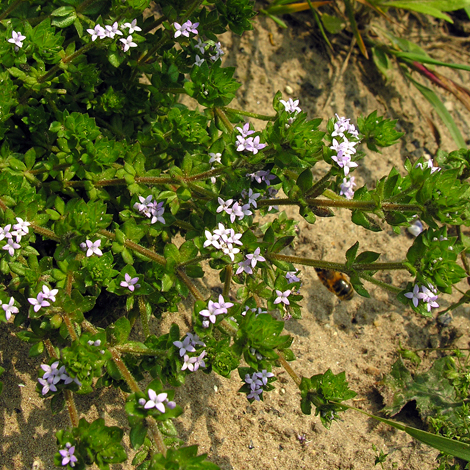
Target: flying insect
[336, 282]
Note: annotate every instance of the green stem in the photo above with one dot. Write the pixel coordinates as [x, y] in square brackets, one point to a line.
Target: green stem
[10, 9]
[353, 205]
[338, 266]
[263, 117]
[223, 117]
[134, 246]
[143, 317]
[383, 285]
[45, 232]
[176, 91]
[194, 260]
[190, 285]
[228, 280]
[154, 25]
[317, 188]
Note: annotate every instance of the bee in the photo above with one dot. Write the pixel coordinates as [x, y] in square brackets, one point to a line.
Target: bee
[336, 282]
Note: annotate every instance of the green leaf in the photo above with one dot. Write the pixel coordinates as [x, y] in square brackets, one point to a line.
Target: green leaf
[421, 6]
[367, 257]
[305, 180]
[138, 434]
[36, 350]
[118, 332]
[442, 112]
[351, 254]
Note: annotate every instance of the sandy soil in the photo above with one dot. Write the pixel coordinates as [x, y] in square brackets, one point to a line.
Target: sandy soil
[360, 336]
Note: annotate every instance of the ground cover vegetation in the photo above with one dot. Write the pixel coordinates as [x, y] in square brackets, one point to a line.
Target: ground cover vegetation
[115, 197]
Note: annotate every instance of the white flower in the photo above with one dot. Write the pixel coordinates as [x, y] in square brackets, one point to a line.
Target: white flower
[11, 246]
[130, 283]
[10, 308]
[49, 294]
[5, 232]
[17, 39]
[282, 297]
[291, 106]
[156, 401]
[127, 43]
[132, 26]
[111, 31]
[97, 32]
[93, 248]
[199, 61]
[39, 302]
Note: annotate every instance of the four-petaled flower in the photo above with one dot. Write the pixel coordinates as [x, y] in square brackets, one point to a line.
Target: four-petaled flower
[132, 26]
[156, 401]
[10, 308]
[291, 106]
[93, 248]
[282, 297]
[415, 295]
[199, 61]
[255, 257]
[49, 294]
[17, 39]
[39, 302]
[130, 283]
[127, 43]
[97, 32]
[111, 31]
[67, 454]
[11, 246]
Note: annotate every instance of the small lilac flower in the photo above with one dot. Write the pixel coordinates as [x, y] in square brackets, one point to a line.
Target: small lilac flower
[93, 248]
[211, 239]
[17, 39]
[67, 454]
[218, 52]
[190, 27]
[132, 26]
[11, 246]
[5, 232]
[255, 394]
[224, 205]
[49, 294]
[245, 130]
[291, 277]
[215, 157]
[142, 401]
[253, 381]
[127, 43]
[264, 375]
[46, 386]
[222, 305]
[22, 226]
[10, 308]
[244, 266]
[415, 296]
[94, 343]
[201, 46]
[180, 30]
[291, 106]
[346, 187]
[111, 31]
[429, 164]
[199, 61]
[130, 283]
[254, 145]
[97, 32]
[236, 211]
[156, 401]
[231, 251]
[185, 345]
[39, 302]
[255, 257]
[282, 297]
[242, 143]
[252, 198]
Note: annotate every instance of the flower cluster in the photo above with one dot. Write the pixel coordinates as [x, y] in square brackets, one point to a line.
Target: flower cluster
[189, 345]
[224, 239]
[10, 308]
[215, 157]
[214, 309]
[53, 375]
[346, 148]
[43, 298]
[214, 50]
[262, 176]
[67, 455]
[291, 106]
[237, 210]
[346, 187]
[110, 31]
[157, 401]
[256, 382]
[130, 282]
[257, 311]
[19, 230]
[250, 262]
[151, 209]
[427, 295]
[250, 144]
[17, 39]
[185, 29]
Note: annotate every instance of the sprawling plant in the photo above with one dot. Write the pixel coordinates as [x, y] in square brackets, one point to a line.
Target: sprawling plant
[114, 197]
